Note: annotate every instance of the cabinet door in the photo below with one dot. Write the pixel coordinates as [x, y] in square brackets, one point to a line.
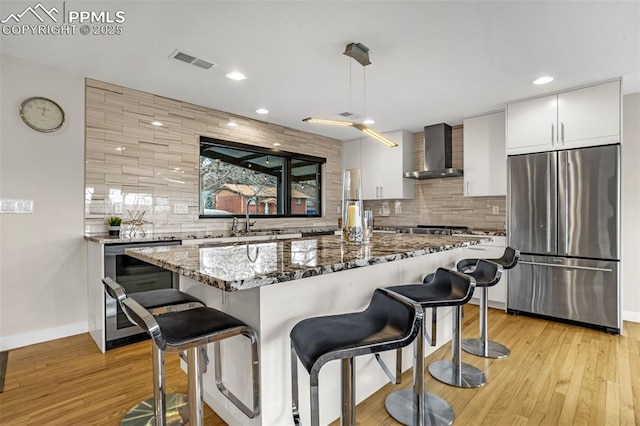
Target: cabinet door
[485, 158]
[390, 168]
[590, 116]
[351, 154]
[370, 165]
[531, 125]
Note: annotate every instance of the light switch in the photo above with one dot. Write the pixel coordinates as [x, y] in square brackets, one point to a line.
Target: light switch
[117, 208]
[16, 206]
[496, 210]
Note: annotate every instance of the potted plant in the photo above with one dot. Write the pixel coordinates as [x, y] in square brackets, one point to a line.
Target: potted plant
[114, 225]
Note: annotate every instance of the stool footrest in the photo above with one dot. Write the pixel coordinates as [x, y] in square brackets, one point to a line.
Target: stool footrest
[462, 376]
[490, 350]
[401, 405]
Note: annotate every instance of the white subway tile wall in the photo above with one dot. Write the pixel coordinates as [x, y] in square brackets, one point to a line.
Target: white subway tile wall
[132, 165]
[441, 201]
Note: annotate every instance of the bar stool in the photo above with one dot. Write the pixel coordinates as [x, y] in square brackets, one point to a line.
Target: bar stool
[486, 274]
[191, 330]
[391, 321]
[162, 407]
[483, 346]
[508, 260]
[415, 406]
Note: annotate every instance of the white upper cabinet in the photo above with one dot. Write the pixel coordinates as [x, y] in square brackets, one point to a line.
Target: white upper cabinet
[586, 116]
[485, 156]
[590, 116]
[382, 167]
[531, 125]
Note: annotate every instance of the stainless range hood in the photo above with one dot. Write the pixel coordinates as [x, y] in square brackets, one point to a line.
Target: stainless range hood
[437, 154]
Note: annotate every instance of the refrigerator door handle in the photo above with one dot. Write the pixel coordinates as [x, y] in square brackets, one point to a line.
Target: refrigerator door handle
[588, 268]
[549, 212]
[566, 201]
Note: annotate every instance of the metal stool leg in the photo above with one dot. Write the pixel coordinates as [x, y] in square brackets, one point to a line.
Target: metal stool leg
[455, 372]
[194, 367]
[483, 346]
[348, 414]
[162, 409]
[416, 407]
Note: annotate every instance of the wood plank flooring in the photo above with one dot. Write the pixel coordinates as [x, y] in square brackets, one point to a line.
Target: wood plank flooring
[556, 374]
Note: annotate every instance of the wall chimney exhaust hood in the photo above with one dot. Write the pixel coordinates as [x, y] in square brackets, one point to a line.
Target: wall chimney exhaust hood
[437, 154]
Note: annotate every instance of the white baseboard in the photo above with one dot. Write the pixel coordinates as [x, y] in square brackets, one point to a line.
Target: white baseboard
[630, 316]
[32, 337]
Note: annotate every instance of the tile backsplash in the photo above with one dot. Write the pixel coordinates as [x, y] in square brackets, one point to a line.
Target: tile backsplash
[441, 201]
[134, 166]
[131, 165]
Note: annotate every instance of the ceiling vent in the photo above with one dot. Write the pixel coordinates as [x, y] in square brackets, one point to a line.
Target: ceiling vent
[190, 59]
[349, 115]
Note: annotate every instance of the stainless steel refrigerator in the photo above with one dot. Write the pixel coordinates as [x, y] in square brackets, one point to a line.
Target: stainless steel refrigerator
[564, 217]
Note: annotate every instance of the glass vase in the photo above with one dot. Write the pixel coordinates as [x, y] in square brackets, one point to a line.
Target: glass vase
[352, 207]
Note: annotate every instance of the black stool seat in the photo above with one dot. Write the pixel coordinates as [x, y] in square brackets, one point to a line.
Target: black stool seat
[443, 289]
[508, 260]
[153, 299]
[486, 273]
[391, 321]
[189, 328]
[386, 322]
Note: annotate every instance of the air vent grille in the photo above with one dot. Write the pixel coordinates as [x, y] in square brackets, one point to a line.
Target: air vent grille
[190, 59]
[348, 114]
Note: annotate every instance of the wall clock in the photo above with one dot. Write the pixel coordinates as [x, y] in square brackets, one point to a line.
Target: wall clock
[42, 114]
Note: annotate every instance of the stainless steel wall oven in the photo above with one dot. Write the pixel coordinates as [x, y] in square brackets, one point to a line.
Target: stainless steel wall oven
[134, 275]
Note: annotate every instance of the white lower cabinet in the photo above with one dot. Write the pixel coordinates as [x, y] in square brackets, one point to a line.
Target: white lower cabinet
[490, 250]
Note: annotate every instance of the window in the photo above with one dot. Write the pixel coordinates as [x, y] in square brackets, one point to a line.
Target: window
[267, 182]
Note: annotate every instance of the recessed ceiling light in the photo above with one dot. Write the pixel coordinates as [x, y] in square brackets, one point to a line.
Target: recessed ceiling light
[156, 123]
[276, 144]
[236, 75]
[232, 124]
[368, 121]
[543, 80]
[262, 111]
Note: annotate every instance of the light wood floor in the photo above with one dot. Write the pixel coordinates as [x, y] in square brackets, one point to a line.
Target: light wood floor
[556, 375]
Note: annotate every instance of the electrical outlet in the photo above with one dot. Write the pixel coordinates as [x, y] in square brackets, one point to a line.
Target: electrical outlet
[117, 208]
[181, 208]
[495, 210]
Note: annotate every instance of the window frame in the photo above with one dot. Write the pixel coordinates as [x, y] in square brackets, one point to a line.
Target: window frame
[287, 174]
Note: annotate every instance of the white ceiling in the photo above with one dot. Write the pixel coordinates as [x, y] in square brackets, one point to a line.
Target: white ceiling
[431, 61]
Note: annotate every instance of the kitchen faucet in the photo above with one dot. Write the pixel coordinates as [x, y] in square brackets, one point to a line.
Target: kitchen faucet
[248, 224]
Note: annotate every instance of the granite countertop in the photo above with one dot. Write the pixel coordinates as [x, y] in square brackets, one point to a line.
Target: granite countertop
[124, 237]
[240, 266]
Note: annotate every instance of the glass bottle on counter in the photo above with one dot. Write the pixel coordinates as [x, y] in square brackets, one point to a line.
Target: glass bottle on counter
[352, 207]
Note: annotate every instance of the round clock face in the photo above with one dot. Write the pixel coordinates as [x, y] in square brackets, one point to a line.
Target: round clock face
[42, 114]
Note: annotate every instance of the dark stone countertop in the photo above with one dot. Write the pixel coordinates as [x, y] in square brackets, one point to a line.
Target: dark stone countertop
[240, 266]
[124, 237]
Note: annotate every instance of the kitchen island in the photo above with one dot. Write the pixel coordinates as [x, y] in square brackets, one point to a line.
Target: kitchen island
[271, 285]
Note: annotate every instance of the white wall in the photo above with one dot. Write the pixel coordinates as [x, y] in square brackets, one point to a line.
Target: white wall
[630, 208]
[42, 255]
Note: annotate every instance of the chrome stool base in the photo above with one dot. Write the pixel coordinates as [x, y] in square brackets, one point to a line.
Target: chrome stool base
[490, 350]
[142, 414]
[465, 376]
[401, 407]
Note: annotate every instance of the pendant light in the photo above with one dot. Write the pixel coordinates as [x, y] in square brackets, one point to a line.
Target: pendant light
[360, 53]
